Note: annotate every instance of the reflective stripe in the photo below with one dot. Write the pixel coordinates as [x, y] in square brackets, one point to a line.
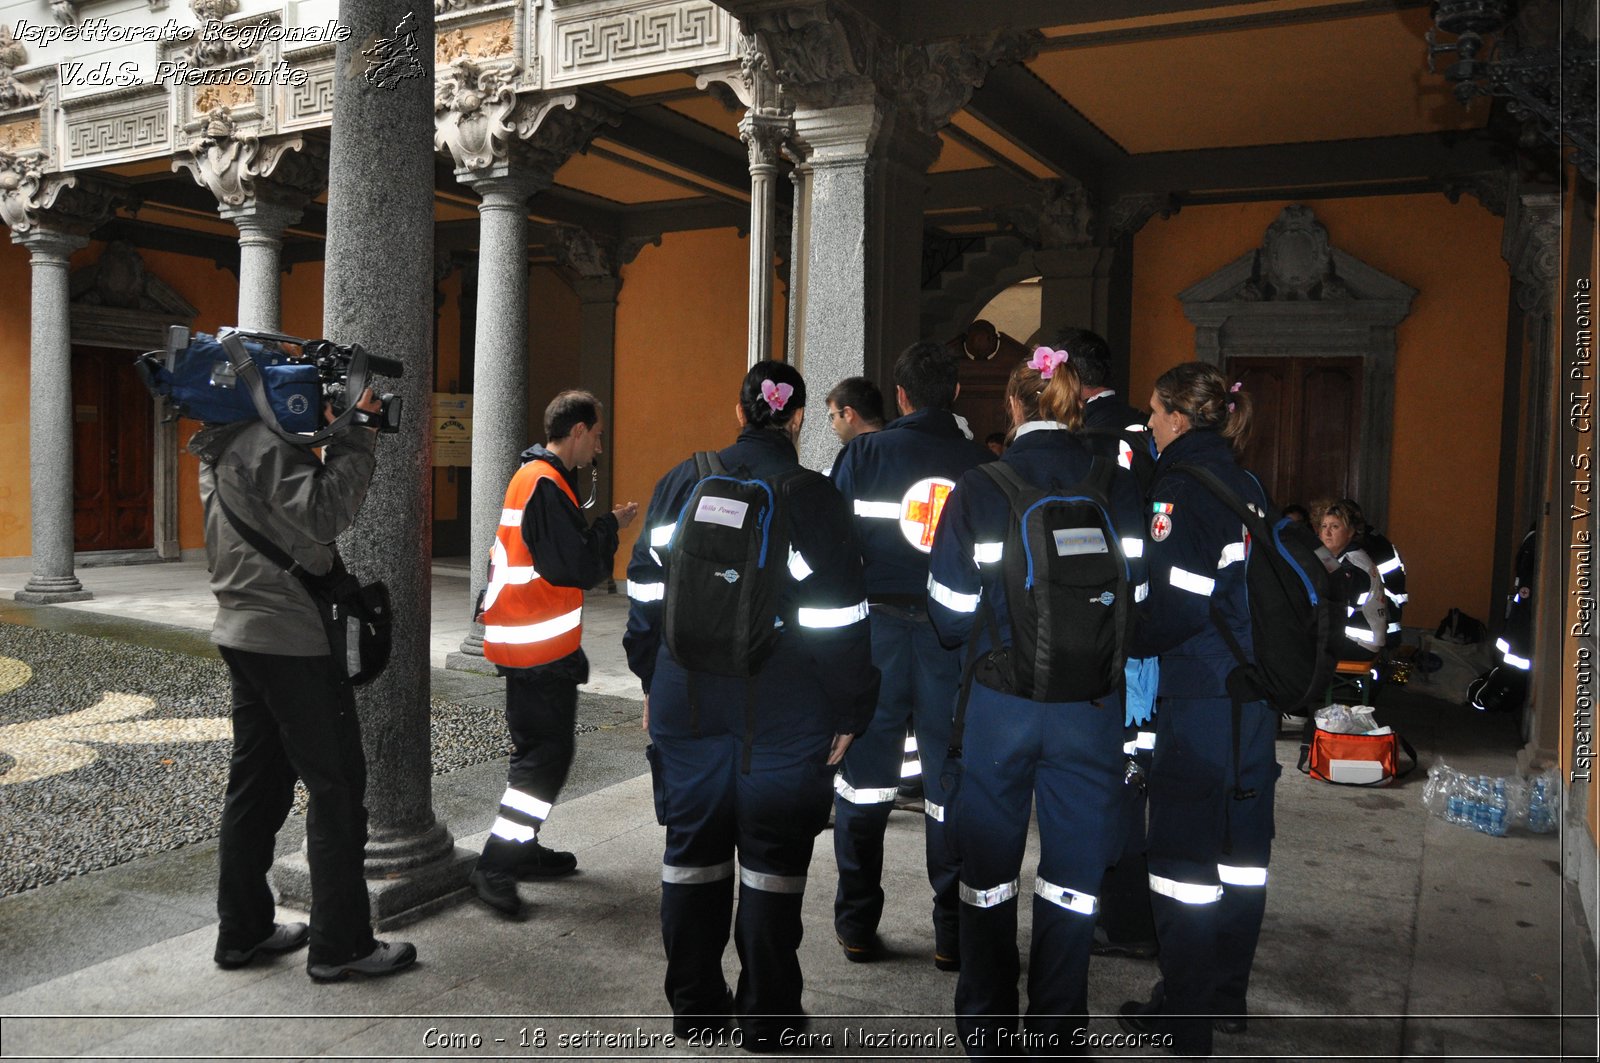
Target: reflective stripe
[515, 574]
[1361, 634]
[1390, 565]
[841, 617]
[522, 634]
[1146, 740]
[527, 804]
[1242, 876]
[1394, 627]
[797, 565]
[910, 769]
[1518, 662]
[760, 880]
[987, 553]
[990, 897]
[1502, 645]
[511, 518]
[1185, 580]
[951, 599]
[885, 510]
[646, 592]
[513, 832]
[1398, 599]
[694, 876]
[1132, 547]
[910, 743]
[933, 811]
[881, 796]
[1066, 897]
[662, 534]
[1187, 892]
[1231, 553]
[1130, 748]
[1364, 597]
[1142, 591]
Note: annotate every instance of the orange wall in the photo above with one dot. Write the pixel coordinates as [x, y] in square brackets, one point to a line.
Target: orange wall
[1450, 362]
[681, 319]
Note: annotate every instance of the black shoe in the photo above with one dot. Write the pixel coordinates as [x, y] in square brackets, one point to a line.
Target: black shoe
[1135, 1016]
[388, 958]
[496, 889]
[536, 861]
[1134, 950]
[869, 951]
[709, 1028]
[285, 937]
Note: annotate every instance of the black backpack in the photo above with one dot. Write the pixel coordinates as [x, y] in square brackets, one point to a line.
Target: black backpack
[725, 570]
[1296, 607]
[1066, 589]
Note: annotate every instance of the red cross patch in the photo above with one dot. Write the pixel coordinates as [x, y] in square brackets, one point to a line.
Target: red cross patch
[1160, 527]
[920, 510]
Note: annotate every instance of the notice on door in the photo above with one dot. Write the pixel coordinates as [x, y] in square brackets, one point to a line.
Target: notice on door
[452, 429]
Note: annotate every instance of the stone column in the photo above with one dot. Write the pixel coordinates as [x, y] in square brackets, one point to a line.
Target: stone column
[50, 418]
[260, 228]
[764, 138]
[377, 291]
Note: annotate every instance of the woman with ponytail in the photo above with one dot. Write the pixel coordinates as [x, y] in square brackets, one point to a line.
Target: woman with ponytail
[1065, 756]
[1213, 774]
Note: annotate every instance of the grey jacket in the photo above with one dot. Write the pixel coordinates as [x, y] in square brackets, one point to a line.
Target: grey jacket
[298, 502]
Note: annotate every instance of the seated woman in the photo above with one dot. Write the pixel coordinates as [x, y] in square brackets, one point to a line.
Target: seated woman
[1367, 621]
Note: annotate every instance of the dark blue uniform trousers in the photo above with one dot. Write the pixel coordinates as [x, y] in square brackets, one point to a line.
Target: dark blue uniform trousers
[770, 816]
[920, 683]
[1069, 755]
[1208, 856]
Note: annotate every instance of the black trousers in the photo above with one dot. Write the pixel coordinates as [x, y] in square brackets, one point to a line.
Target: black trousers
[293, 717]
[541, 714]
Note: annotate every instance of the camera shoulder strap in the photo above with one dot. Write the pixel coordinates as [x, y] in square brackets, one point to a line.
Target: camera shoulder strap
[245, 368]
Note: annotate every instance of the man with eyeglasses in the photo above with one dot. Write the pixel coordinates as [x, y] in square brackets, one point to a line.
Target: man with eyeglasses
[855, 408]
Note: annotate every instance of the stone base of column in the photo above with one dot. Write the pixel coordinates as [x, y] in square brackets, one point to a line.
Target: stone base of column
[407, 878]
[47, 590]
[469, 658]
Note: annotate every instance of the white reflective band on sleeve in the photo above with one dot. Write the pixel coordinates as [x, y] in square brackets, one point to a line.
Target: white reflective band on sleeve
[1394, 627]
[1518, 662]
[1242, 876]
[881, 796]
[662, 535]
[526, 803]
[1132, 547]
[1502, 645]
[1398, 599]
[694, 876]
[1130, 748]
[841, 617]
[797, 565]
[1390, 565]
[1066, 897]
[646, 592]
[511, 518]
[910, 744]
[910, 769]
[1363, 598]
[1361, 634]
[934, 811]
[885, 510]
[990, 897]
[1231, 553]
[950, 599]
[1142, 591]
[523, 634]
[1146, 740]
[1187, 892]
[987, 553]
[512, 832]
[760, 880]
[1185, 580]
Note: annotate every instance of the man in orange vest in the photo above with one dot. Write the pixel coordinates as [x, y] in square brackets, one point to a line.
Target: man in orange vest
[544, 556]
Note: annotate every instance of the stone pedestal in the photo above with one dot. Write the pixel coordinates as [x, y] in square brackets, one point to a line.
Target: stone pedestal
[378, 292]
[50, 418]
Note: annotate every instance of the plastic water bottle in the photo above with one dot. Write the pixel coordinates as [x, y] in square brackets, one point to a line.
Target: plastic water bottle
[1540, 821]
[1495, 817]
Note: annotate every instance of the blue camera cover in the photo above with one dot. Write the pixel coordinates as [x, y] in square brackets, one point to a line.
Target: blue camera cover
[202, 385]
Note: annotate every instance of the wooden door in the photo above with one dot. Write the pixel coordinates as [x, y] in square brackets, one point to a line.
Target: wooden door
[112, 453]
[1306, 440]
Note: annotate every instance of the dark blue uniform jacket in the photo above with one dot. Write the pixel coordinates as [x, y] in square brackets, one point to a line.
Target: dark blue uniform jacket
[968, 551]
[823, 602]
[875, 473]
[1200, 560]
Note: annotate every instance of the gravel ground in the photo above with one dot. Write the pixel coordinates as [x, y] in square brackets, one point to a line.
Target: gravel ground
[110, 751]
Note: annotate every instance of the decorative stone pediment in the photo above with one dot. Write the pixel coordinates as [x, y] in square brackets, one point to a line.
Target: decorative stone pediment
[30, 197]
[117, 302]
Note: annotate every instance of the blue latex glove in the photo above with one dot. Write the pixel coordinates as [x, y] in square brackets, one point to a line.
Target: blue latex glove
[1142, 674]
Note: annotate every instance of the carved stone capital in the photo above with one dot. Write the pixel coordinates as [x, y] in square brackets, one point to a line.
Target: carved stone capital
[1490, 188]
[236, 166]
[1128, 213]
[764, 139]
[31, 199]
[472, 112]
[1531, 245]
[584, 253]
[1062, 216]
[822, 54]
[930, 82]
[749, 83]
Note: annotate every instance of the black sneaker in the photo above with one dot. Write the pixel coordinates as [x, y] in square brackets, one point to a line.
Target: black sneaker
[497, 889]
[869, 951]
[388, 958]
[285, 937]
[536, 861]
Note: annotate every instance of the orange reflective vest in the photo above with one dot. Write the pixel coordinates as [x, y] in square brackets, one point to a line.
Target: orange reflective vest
[527, 621]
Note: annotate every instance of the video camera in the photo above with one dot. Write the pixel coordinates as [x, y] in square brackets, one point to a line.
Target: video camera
[244, 374]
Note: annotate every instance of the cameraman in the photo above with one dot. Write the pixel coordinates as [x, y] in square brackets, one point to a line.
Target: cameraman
[294, 712]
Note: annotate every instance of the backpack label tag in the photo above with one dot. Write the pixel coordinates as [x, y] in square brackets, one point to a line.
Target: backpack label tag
[729, 512]
[1073, 541]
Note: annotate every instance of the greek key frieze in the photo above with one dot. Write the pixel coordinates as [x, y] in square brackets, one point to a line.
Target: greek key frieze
[646, 36]
[127, 134]
[312, 102]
